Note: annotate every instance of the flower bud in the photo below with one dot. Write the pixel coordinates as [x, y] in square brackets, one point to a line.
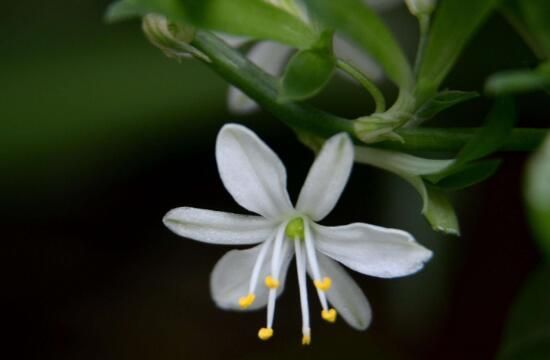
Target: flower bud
[172, 38]
[421, 7]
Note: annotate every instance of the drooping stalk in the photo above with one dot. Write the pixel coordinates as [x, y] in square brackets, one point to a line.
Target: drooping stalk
[372, 89]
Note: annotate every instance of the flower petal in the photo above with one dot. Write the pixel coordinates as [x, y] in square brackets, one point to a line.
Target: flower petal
[230, 279]
[271, 57]
[252, 172]
[346, 297]
[216, 227]
[239, 103]
[327, 177]
[234, 40]
[372, 250]
[349, 52]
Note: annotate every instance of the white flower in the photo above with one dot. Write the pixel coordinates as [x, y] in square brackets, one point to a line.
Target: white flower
[272, 56]
[253, 278]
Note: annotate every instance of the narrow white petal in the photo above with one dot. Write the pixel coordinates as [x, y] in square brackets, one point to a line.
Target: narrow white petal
[216, 227]
[251, 172]
[233, 40]
[239, 103]
[327, 177]
[372, 250]
[271, 57]
[344, 294]
[350, 53]
[230, 278]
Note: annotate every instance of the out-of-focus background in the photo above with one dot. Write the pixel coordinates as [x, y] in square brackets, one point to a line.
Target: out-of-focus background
[100, 135]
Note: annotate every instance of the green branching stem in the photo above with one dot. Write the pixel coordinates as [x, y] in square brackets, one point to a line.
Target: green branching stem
[372, 89]
[263, 88]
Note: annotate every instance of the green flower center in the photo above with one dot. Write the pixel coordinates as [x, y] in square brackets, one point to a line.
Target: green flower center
[295, 229]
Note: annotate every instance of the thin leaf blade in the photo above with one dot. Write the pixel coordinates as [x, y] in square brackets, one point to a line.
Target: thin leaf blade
[361, 24]
[455, 22]
[252, 18]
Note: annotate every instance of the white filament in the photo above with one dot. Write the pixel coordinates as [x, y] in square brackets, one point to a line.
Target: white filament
[301, 270]
[313, 263]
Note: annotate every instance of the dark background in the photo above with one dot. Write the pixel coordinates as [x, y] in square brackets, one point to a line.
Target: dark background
[100, 135]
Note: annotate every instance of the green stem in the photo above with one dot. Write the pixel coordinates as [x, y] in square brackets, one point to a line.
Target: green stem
[377, 96]
[424, 25]
[263, 88]
[453, 139]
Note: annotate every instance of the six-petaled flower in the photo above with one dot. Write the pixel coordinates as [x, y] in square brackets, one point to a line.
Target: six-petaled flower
[253, 278]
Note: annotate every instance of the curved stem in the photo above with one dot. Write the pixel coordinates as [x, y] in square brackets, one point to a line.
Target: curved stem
[263, 88]
[377, 96]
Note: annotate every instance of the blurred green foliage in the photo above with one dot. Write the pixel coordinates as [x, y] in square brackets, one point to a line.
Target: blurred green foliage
[81, 96]
[537, 194]
[527, 333]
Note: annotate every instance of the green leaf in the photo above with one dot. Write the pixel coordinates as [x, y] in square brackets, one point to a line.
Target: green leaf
[519, 81]
[455, 21]
[361, 24]
[253, 18]
[469, 175]
[487, 140]
[535, 14]
[437, 209]
[307, 72]
[442, 101]
[537, 194]
[440, 213]
[490, 138]
[511, 9]
[527, 334]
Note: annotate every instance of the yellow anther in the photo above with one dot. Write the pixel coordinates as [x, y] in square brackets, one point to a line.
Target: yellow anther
[329, 315]
[306, 340]
[271, 283]
[324, 284]
[265, 333]
[247, 300]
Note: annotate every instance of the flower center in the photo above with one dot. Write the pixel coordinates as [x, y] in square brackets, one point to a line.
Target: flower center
[295, 229]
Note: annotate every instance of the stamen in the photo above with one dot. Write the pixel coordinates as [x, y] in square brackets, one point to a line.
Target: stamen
[271, 307]
[246, 301]
[323, 285]
[301, 270]
[310, 250]
[306, 338]
[329, 315]
[277, 249]
[271, 283]
[265, 333]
